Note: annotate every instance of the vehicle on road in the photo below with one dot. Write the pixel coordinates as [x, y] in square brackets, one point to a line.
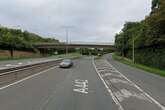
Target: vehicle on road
[66, 63]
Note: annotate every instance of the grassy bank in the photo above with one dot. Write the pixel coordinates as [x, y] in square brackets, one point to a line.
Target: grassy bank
[140, 66]
[2, 58]
[5, 55]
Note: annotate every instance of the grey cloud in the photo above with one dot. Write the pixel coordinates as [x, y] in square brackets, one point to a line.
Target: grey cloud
[93, 20]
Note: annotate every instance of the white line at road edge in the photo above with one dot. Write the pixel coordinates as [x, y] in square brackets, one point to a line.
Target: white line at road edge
[4, 87]
[109, 90]
[151, 98]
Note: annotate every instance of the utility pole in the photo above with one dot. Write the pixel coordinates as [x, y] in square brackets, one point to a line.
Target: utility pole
[67, 35]
[133, 50]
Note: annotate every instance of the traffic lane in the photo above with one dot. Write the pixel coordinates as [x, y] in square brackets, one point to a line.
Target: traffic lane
[32, 93]
[54, 89]
[71, 95]
[150, 83]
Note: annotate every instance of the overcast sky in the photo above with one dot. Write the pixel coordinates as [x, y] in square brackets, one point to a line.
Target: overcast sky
[91, 20]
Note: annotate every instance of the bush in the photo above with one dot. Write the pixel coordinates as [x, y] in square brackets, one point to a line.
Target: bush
[150, 57]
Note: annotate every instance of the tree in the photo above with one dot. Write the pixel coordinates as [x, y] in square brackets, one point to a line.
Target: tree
[156, 23]
[155, 4]
[148, 36]
[11, 39]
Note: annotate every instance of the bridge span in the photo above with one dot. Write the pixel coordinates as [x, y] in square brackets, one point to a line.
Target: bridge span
[72, 45]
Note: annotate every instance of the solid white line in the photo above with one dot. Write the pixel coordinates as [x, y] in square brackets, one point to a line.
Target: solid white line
[151, 98]
[109, 90]
[17, 82]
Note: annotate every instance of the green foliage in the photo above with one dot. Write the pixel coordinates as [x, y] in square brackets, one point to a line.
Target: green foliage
[156, 22]
[16, 39]
[93, 51]
[140, 66]
[148, 36]
[155, 4]
[131, 30]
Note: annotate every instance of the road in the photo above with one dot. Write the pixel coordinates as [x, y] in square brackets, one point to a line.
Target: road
[151, 84]
[82, 87]
[56, 90]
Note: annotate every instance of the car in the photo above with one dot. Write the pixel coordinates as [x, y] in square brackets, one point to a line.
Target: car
[66, 63]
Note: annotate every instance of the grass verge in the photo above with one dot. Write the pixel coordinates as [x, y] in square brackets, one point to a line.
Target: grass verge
[140, 66]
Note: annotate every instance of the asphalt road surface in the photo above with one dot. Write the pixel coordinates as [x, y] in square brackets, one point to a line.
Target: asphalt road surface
[77, 88]
[84, 87]
[151, 84]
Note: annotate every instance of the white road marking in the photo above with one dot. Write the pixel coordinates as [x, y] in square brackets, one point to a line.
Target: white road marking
[124, 93]
[8, 65]
[109, 90]
[151, 98]
[20, 63]
[114, 80]
[29, 77]
[103, 70]
[110, 74]
[12, 65]
[82, 86]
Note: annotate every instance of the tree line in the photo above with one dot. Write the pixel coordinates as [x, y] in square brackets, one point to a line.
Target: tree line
[146, 38]
[15, 39]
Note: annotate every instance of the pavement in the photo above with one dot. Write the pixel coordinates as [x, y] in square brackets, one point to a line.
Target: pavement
[88, 85]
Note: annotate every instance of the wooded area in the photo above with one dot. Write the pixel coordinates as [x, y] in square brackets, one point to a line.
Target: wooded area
[147, 37]
[14, 39]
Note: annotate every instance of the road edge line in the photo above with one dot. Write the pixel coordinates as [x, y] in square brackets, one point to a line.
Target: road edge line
[24, 79]
[108, 89]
